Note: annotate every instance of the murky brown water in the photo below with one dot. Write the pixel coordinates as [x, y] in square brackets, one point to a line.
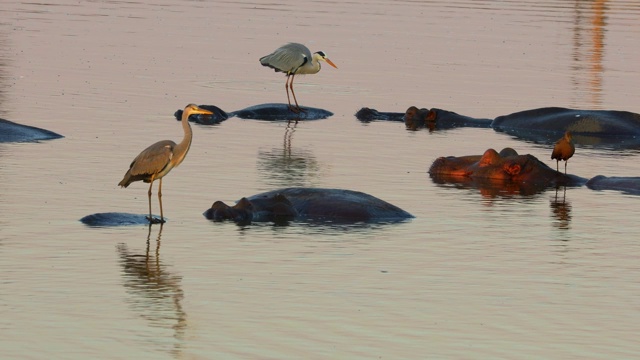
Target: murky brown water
[551, 276]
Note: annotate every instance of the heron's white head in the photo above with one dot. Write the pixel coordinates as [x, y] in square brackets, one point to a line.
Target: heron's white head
[320, 55]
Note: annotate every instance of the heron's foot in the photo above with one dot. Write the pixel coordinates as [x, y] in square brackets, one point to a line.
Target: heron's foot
[296, 109]
[154, 220]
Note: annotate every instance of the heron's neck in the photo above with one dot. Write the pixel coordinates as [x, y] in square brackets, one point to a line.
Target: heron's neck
[315, 64]
[183, 147]
[311, 67]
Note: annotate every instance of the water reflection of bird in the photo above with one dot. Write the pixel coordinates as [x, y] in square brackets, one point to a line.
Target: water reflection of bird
[293, 59]
[156, 293]
[288, 166]
[158, 159]
[563, 150]
[561, 210]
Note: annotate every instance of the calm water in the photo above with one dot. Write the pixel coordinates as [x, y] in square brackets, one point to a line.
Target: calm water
[474, 276]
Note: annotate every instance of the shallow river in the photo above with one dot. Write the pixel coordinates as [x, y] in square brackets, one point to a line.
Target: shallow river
[475, 275]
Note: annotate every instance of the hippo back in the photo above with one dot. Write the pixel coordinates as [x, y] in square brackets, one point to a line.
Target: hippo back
[273, 112]
[446, 119]
[557, 120]
[14, 132]
[333, 205]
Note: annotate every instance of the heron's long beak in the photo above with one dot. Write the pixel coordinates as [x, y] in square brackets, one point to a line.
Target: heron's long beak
[330, 62]
[201, 111]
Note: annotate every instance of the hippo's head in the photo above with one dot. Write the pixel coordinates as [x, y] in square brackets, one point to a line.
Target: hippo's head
[493, 166]
[217, 115]
[240, 212]
[276, 208]
[506, 166]
[454, 166]
[415, 118]
[367, 114]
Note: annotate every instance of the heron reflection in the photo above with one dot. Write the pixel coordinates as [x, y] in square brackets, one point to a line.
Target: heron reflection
[288, 166]
[156, 293]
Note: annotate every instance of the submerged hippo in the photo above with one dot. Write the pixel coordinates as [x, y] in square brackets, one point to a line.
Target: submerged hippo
[415, 118]
[432, 119]
[114, 219]
[504, 167]
[308, 204]
[509, 173]
[588, 127]
[13, 132]
[270, 112]
[603, 128]
[627, 185]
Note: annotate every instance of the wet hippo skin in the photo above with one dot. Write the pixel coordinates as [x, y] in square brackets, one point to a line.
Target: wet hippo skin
[415, 118]
[628, 185]
[269, 112]
[599, 128]
[14, 132]
[506, 166]
[308, 204]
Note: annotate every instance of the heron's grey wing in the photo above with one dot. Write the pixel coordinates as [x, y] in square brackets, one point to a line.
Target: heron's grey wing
[153, 159]
[287, 58]
[296, 47]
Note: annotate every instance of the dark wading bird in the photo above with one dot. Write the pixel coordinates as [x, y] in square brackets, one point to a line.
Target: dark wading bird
[563, 150]
[157, 160]
[293, 59]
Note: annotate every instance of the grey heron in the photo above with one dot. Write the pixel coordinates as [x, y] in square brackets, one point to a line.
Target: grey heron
[563, 150]
[154, 162]
[293, 59]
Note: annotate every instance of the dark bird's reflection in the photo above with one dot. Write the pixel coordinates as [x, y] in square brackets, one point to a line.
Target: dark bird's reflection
[561, 210]
[156, 293]
[288, 166]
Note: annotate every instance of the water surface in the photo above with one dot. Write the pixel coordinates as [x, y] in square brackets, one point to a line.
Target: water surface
[475, 275]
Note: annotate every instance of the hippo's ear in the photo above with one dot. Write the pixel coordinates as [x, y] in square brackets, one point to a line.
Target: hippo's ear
[218, 211]
[219, 205]
[411, 110]
[489, 157]
[512, 169]
[243, 204]
[506, 152]
[431, 115]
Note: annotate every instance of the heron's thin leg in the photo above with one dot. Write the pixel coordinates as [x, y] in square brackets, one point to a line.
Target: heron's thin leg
[149, 193]
[286, 87]
[565, 167]
[557, 166]
[298, 108]
[160, 201]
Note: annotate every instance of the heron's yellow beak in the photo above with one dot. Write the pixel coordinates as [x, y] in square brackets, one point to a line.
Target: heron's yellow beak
[202, 111]
[193, 110]
[330, 62]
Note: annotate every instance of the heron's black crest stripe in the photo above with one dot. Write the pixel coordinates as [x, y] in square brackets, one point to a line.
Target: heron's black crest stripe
[321, 53]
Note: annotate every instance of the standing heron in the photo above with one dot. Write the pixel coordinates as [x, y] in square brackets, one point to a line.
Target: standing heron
[293, 59]
[563, 150]
[157, 160]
